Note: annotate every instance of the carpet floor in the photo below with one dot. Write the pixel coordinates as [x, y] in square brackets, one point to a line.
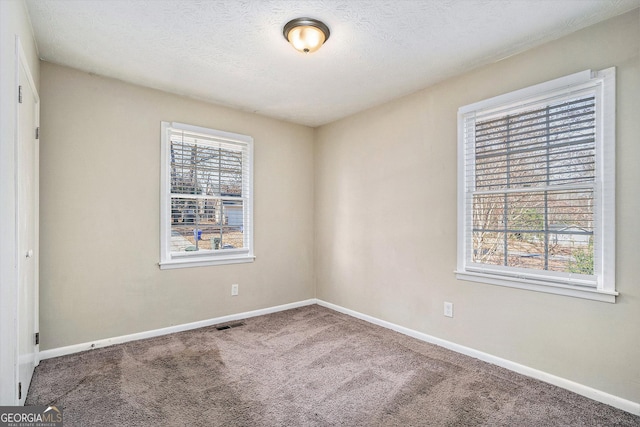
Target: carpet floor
[309, 366]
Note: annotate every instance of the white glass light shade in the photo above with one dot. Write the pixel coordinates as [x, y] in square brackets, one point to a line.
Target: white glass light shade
[305, 34]
[306, 39]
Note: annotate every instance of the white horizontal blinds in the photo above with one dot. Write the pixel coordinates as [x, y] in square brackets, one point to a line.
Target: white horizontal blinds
[209, 193]
[532, 189]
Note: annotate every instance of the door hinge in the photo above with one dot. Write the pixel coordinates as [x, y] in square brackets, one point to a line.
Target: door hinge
[38, 132]
[19, 391]
[37, 338]
[20, 94]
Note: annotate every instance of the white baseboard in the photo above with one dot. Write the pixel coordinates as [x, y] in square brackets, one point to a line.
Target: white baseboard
[77, 348]
[591, 393]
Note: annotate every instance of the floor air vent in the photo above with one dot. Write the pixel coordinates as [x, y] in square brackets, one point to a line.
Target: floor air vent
[229, 326]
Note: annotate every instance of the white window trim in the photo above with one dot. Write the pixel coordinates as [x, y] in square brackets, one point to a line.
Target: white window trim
[604, 251]
[231, 256]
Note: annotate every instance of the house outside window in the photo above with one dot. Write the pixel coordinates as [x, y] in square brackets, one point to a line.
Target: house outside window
[206, 211]
[536, 188]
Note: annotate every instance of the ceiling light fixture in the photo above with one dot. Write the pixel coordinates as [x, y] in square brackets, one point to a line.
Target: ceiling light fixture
[306, 34]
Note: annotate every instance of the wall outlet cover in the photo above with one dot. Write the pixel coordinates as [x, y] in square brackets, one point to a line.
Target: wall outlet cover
[448, 309]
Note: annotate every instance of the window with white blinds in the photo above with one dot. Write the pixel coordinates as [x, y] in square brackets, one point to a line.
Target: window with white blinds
[206, 203]
[536, 188]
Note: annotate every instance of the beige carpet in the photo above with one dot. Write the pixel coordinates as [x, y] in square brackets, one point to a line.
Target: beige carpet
[304, 367]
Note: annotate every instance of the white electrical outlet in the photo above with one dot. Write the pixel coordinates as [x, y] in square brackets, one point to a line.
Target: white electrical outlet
[448, 309]
[234, 290]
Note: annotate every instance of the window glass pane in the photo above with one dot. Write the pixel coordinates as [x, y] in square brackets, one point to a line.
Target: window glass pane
[189, 211]
[488, 247]
[548, 230]
[232, 237]
[206, 224]
[183, 239]
[205, 169]
[552, 145]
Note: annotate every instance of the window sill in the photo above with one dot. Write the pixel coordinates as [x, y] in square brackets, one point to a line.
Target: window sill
[205, 262]
[539, 286]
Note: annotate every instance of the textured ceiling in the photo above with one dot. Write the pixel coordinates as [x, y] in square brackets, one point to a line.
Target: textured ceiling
[233, 53]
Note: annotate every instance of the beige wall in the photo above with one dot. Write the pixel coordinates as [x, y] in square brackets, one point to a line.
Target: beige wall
[14, 21]
[100, 173]
[385, 185]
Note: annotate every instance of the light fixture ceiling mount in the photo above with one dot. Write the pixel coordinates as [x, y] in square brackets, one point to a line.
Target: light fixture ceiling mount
[306, 34]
